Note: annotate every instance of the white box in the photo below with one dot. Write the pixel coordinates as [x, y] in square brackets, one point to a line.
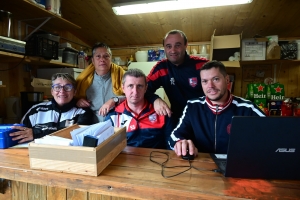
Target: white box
[42, 85]
[47, 73]
[51, 6]
[253, 50]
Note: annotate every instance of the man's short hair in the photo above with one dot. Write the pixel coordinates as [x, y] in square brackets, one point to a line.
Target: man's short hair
[215, 64]
[134, 73]
[173, 32]
[100, 45]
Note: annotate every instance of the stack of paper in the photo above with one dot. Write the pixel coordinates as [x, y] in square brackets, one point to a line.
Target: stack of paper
[55, 140]
[101, 131]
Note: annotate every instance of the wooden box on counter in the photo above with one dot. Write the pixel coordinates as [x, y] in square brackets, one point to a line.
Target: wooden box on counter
[89, 161]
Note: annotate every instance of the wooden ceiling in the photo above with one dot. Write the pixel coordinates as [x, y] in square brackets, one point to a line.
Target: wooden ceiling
[261, 17]
[99, 23]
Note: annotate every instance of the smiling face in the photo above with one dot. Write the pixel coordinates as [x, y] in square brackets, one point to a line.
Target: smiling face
[101, 60]
[214, 85]
[175, 48]
[62, 97]
[134, 89]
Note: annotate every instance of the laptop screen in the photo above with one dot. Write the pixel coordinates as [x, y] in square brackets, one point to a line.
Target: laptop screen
[264, 147]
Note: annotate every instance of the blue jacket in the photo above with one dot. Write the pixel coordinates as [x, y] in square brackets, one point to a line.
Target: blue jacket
[208, 125]
[146, 129]
[180, 83]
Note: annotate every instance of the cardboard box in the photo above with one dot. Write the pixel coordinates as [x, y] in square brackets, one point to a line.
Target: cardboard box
[77, 159]
[276, 91]
[261, 103]
[222, 47]
[42, 85]
[256, 91]
[289, 51]
[253, 50]
[274, 53]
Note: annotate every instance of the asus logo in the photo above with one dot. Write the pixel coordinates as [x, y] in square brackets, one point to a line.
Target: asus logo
[286, 150]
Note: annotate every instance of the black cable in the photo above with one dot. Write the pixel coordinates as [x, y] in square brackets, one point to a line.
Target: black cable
[165, 162]
[14, 66]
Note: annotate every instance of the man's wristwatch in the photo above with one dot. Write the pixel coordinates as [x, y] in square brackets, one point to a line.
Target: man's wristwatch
[116, 100]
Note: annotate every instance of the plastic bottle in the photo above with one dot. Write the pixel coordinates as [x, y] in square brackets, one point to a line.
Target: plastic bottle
[251, 92]
[81, 59]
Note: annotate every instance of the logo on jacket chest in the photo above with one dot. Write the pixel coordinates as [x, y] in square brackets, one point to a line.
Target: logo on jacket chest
[193, 81]
[153, 117]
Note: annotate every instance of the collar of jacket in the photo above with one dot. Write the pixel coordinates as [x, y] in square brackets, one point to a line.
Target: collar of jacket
[64, 108]
[216, 108]
[124, 108]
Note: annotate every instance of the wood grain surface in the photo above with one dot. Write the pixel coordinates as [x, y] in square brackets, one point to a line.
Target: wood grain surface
[133, 176]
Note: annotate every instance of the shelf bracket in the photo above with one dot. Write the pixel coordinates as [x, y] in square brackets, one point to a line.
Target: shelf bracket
[37, 28]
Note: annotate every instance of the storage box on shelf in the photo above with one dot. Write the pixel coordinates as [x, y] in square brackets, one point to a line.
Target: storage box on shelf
[259, 49]
[46, 73]
[43, 45]
[223, 47]
[253, 49]
[289, 50]
[77, 159]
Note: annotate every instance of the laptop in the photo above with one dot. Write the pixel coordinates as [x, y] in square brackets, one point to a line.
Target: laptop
[262, 147]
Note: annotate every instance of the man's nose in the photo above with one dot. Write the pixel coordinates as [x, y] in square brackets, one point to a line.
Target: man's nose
[210, 83]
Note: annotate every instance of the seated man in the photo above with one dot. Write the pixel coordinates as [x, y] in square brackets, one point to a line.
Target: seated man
[143, 126]
[50, 116]
[205, 123]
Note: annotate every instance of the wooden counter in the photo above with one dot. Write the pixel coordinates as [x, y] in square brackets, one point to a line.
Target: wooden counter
[133, 176]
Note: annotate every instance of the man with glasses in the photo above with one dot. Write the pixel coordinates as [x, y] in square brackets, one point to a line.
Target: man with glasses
[50, 116]
[99, 85]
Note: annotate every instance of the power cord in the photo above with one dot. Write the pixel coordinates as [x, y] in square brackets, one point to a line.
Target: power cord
[163, 165]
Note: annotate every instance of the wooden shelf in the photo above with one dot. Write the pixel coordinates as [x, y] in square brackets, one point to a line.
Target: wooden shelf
[24, 9]
[252, 62]
[2, 86]
[13, 57]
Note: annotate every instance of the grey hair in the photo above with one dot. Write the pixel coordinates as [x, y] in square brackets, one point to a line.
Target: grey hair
[101, 45]
[134, 73]
[66, 76]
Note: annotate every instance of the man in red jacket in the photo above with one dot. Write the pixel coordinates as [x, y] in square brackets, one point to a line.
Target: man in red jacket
[178, 75]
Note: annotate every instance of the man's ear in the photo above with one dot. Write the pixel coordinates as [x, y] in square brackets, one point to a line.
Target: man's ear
[227, 79]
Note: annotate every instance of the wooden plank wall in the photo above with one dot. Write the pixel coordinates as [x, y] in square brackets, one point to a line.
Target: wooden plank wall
[17, 190]
[286, 73]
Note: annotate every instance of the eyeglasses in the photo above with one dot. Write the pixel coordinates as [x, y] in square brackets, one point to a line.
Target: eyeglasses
[67, 87]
